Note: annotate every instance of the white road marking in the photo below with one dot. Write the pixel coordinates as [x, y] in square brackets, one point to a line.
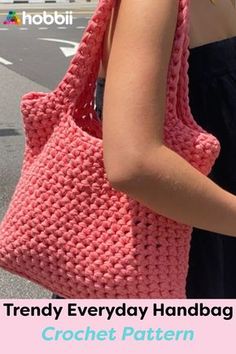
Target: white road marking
[4, 61]
[40, 28]
[68, 52]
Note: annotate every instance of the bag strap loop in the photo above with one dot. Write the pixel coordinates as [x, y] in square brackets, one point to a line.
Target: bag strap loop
[178, 65]
[87, 58]
[83, 70]
[182, 104]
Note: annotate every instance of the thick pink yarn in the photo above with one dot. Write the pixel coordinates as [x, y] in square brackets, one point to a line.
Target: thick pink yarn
[67, 228]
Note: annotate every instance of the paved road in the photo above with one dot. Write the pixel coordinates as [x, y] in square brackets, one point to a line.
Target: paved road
[27, 63]
[34, 51]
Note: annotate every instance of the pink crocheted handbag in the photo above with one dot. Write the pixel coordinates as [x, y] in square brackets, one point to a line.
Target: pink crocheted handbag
[67, 228]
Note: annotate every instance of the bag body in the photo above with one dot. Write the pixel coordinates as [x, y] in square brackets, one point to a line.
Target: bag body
[66, 228]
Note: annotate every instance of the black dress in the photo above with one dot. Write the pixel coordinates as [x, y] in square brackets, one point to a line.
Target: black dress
[212, 95]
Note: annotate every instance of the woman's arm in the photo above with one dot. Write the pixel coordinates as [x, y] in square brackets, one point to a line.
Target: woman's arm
[108, 36]
[136, 160]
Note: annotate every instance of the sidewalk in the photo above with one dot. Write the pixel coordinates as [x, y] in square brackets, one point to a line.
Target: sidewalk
[76, 4]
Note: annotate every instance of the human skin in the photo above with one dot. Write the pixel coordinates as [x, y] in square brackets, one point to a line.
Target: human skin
[136, 159]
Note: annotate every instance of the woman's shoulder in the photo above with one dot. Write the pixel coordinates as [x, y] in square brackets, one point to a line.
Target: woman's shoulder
[211, 21]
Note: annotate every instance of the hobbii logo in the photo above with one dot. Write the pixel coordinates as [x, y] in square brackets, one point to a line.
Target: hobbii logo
[47, 19]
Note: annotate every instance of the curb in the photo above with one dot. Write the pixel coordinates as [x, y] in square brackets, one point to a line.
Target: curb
[82, 3]
[35, 2]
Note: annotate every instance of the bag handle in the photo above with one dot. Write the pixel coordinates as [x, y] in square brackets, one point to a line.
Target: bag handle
[182, 97]
[177, 77]
[83, 70]
[84, 65]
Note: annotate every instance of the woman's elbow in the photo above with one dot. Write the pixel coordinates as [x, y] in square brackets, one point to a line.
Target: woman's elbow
[127, 171]
[123, 170]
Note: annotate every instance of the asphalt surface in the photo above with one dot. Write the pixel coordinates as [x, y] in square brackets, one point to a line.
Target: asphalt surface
[34, 51]
[28, 63]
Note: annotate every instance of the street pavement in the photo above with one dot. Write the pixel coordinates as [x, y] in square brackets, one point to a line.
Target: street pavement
[78, 4]
[29, 63]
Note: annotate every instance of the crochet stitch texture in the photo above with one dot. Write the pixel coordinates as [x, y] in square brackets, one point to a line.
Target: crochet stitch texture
[66, 228]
